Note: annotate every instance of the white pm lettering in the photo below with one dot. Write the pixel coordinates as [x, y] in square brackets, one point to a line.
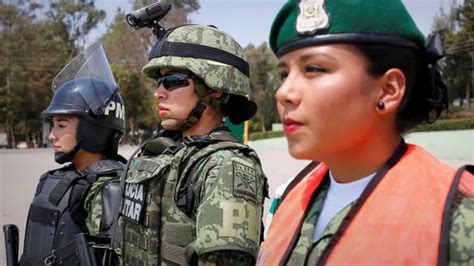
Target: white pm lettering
[118, 108]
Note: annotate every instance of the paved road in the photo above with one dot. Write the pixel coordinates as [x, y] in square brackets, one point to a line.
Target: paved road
[20, 170]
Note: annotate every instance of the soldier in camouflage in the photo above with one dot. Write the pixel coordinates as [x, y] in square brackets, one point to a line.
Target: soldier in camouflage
[88, 120]
[195, 195]
[356, 75]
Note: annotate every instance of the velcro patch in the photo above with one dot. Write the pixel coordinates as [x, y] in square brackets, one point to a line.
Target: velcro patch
[134, 202]
[245, 181]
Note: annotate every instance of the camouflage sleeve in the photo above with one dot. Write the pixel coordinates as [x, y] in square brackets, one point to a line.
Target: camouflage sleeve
[230, 206]
[93, 205]
[226, 257]
[461, 238]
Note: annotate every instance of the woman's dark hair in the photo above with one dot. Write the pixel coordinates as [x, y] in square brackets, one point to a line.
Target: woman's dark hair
[420, 103]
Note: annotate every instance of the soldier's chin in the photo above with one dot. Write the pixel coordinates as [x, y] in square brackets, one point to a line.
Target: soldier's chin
[171, 124]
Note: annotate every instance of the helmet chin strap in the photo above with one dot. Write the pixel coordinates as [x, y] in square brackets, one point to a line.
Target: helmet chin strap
[183, 125]
[64, 157]
[204, 99]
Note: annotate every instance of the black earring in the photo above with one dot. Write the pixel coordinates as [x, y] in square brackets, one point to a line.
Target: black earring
[380, 105]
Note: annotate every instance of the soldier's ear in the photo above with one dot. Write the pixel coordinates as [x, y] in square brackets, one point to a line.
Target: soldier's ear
[215, 94]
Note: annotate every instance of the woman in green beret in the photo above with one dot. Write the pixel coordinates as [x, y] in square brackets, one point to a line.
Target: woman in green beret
[356, 75]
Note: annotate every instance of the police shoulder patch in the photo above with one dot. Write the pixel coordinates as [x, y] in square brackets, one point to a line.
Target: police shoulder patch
[244, 180]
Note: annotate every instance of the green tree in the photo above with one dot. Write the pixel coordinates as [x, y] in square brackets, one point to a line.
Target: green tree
[464, 46]
[33, 50]
[458, 36]
[264, 82]
[26, 70]
[73, 20]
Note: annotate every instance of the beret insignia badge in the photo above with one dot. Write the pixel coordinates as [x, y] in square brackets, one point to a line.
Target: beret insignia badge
[312, 17]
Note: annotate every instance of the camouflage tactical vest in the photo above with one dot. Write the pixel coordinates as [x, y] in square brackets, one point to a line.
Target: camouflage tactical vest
[155, 230]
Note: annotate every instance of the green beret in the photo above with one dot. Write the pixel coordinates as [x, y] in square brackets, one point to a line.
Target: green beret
[302, 23]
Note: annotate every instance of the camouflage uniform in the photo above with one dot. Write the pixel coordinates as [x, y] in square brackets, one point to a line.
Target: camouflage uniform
[224, 224]
[93, 205]
[221, 224]
[461, 247]
[216, 75]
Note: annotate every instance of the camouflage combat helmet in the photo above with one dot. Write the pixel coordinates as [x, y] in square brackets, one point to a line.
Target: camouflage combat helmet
[210, 53]
[215, 58]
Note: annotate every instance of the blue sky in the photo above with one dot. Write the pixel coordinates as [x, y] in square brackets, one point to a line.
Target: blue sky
[249, 21]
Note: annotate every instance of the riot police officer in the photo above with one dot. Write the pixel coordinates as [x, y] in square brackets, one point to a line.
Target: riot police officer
[195, 194]
[88, 120]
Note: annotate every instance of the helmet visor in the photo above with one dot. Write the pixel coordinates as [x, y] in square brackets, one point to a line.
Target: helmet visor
[91, 63]
[87, 70]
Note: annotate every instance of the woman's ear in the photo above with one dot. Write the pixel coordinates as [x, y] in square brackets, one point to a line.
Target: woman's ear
[393, 84]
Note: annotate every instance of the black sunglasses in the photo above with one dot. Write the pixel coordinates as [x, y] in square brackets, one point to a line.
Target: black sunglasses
[174, 80]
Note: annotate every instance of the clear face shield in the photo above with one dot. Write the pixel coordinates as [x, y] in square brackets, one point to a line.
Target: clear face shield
[88, 66]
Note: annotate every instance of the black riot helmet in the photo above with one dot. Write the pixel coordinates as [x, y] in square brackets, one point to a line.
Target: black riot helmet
[86, 88]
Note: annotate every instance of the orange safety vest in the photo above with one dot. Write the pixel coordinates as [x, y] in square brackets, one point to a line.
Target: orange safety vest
[403, 221]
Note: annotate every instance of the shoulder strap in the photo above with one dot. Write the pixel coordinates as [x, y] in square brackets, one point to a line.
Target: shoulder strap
[203, 141]
[469, 168]
[62, 187]
[443, 256]
[100, 168]
[465, 177]
[297, 179]
[43, 176]
[223, 136]
[42, 180]
[159, 145]
[51, 172]
[105, 167]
